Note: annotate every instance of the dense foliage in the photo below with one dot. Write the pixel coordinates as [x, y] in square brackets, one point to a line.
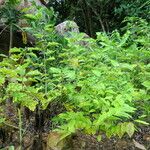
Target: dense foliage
[102, 84]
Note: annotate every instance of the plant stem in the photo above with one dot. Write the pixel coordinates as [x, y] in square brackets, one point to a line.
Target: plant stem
[3, 29]
[98, 16]
[20, 128]
[7, 124]
[11, 37]
[45, 71]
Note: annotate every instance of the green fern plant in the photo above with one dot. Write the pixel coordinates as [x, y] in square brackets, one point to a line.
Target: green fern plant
[99, 85]
[103, 85]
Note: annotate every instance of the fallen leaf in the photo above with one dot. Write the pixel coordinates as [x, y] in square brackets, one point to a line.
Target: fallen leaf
[138, 145]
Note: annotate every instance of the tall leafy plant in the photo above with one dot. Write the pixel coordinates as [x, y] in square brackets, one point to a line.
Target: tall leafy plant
[99, 82]
[104, 84]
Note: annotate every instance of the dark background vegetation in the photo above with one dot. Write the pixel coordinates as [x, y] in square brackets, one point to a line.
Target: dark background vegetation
[100, 15]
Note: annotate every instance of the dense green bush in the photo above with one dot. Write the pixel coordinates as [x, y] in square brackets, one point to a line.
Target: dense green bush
[109, 83]
[103, 83]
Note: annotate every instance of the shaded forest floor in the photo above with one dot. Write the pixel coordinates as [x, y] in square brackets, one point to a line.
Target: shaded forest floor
[37, 135]
[32, 141]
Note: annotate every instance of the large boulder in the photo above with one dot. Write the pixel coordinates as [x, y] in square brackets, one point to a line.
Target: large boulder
[23, 3]
[70, 30]
[67, 27]
[28, 3]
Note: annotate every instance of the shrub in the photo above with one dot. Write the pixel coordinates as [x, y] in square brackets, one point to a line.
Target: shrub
[100, 85]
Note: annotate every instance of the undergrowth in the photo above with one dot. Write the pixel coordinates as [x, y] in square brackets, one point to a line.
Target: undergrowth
[102, 83]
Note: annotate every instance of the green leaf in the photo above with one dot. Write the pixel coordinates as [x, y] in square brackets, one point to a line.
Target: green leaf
[2, 55]
[33, 73]
[121, 129]
[2, 80]
[30, 16]
[14, 87]
[55, 70]
[130, 129]
[2, 120]
[142, 122]
[31, 105]
[21, 70]
[146, 84]
[14, 50]
[11, 148]
[99, 138]
[126, 66]
[97, 72]
[69, 74]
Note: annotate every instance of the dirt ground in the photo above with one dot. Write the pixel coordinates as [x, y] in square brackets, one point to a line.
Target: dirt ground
[36, 135]
[140, 141]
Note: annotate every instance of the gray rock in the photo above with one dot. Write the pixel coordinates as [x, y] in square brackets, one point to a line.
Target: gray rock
[70, 31]
[66, 28]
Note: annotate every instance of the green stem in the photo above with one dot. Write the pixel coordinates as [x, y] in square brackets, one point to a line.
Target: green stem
[146, 3]
[20, 128]
[11, 38]
[7, 124]
[3, 29]
[45, 71]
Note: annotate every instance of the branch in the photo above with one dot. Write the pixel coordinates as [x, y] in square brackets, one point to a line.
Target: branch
[43, 2]
[99, 18]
